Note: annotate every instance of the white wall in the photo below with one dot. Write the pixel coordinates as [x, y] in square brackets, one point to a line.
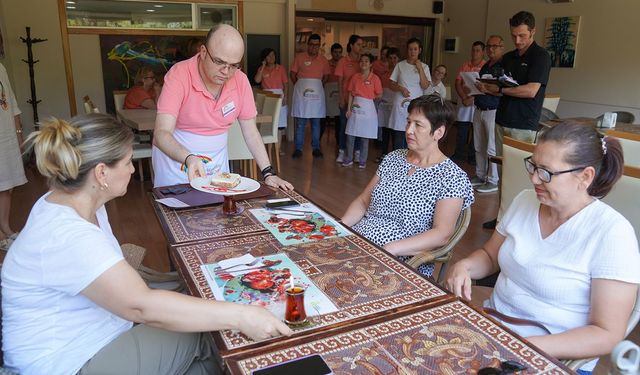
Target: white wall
[87, 70]
[51, 84]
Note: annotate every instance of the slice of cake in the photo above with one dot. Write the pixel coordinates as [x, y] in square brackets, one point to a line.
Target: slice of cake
[227, 180]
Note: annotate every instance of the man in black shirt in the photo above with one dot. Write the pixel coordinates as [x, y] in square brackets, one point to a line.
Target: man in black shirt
[529, 64]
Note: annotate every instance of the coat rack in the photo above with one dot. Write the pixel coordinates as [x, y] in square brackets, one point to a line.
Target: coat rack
[30, 42]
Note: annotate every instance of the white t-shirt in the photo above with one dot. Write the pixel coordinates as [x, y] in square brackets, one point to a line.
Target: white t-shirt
[406, 75]
[48, 326]
[438, 89]
[549, 280]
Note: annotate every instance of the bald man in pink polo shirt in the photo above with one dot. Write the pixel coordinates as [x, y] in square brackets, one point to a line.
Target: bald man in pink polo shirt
[200, 100]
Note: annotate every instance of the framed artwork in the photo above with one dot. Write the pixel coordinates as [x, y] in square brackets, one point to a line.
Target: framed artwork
[123, 55]
[561, 40]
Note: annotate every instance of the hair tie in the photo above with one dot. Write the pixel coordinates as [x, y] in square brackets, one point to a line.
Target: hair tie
[604, 145]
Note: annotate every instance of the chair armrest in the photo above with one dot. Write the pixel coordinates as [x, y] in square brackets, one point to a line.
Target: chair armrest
[496, 159]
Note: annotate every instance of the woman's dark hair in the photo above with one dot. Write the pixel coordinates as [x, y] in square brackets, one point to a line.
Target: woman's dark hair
[414, 40]
[436, 109]
[585, 147]
[369, 56]
[353, 39]
[265, 52]
[393, 51]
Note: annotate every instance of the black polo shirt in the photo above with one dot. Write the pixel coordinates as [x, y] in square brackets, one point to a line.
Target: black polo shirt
[488, 102]
[533, 66]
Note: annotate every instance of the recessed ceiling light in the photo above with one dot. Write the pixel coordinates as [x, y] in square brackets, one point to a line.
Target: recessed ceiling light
[70, 2]
[151, 10]
[205, 12]
[71, 7]
[159, 6]
[310, 19]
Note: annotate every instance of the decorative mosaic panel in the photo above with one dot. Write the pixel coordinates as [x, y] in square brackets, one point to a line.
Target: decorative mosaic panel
[452, 338]
[209, 222]
[360, 279]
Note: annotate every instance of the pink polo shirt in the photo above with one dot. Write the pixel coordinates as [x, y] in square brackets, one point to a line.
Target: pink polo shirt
[370, 88]
[469, 67]
[345, 69]
[185, 97]
[306, 66]
[274, 78]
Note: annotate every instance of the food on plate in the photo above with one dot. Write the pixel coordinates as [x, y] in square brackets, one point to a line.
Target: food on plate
[225, 179]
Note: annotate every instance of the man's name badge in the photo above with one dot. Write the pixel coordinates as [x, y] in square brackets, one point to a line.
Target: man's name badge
[228, 108]
[307, 63]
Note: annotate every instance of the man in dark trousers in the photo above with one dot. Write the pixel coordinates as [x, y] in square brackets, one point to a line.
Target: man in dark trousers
[529, 64]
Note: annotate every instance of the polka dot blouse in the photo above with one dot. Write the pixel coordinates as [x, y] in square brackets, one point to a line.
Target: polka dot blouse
[403, 205]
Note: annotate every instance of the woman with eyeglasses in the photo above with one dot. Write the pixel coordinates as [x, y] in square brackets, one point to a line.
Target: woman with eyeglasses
[413, 202]
[567, 260]
[146, 91]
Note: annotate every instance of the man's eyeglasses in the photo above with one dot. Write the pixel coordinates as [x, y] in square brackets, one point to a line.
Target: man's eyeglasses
[543, 174]
[222, 64]
[506, 367]
[489, 46]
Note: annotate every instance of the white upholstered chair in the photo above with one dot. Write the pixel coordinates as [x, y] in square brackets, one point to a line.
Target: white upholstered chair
[271, 106]
[630, 146]
[237, 150]
[514, 176]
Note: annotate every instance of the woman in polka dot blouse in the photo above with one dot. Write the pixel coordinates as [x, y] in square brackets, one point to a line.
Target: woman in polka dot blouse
[414, 200]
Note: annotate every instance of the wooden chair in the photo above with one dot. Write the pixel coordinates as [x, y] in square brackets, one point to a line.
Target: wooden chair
[443, 254]
[271, 106]
[238, 150]
[630, 146]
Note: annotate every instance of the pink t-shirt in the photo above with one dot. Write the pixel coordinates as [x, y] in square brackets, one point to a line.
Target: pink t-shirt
[345, 69]
[274, 78]
[369, 88]
[469, 67]
[185, 97]
[380, 68]
[306, 66]
[136, 95]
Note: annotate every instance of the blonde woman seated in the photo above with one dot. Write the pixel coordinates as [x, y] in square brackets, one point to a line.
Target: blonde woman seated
[414, 200]
[566, 259]
[146, 91]
[70, 300]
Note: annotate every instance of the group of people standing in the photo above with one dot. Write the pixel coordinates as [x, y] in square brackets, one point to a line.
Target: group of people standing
[370, 97]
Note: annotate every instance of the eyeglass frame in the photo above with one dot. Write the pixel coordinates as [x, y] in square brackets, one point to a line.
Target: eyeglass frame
[221, 63]
[489, 46]
[527, 162]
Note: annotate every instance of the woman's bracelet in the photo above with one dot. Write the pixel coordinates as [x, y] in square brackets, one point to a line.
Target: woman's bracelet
[267, 171]
[183, 167]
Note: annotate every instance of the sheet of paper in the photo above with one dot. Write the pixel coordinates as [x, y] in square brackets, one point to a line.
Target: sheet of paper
[172, 202]
[469, 79]
[237, 261]
[264, 283]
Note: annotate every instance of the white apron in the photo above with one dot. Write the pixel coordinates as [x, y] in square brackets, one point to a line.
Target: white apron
[363, 121]
[308, 99]
[384, 107]
[168, 171]
[282, 123]
[332, 98]
[405, 75]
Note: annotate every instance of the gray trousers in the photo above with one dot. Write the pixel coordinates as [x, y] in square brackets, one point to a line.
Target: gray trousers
[146, 350]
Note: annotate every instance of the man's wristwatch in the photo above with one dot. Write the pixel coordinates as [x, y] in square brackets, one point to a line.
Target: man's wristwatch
[268, 171]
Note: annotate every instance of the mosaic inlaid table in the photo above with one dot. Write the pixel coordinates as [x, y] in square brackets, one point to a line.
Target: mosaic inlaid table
[361, 280]
[184, 225]
[451, 338]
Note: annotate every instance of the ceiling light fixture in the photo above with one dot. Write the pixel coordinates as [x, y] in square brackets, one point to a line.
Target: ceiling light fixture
[151, 10]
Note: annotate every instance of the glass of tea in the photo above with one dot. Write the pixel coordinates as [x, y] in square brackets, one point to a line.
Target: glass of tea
[294, 312]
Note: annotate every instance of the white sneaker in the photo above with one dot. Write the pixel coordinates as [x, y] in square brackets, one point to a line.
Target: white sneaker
[340, 157]
[487, 188]
[356, 156]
